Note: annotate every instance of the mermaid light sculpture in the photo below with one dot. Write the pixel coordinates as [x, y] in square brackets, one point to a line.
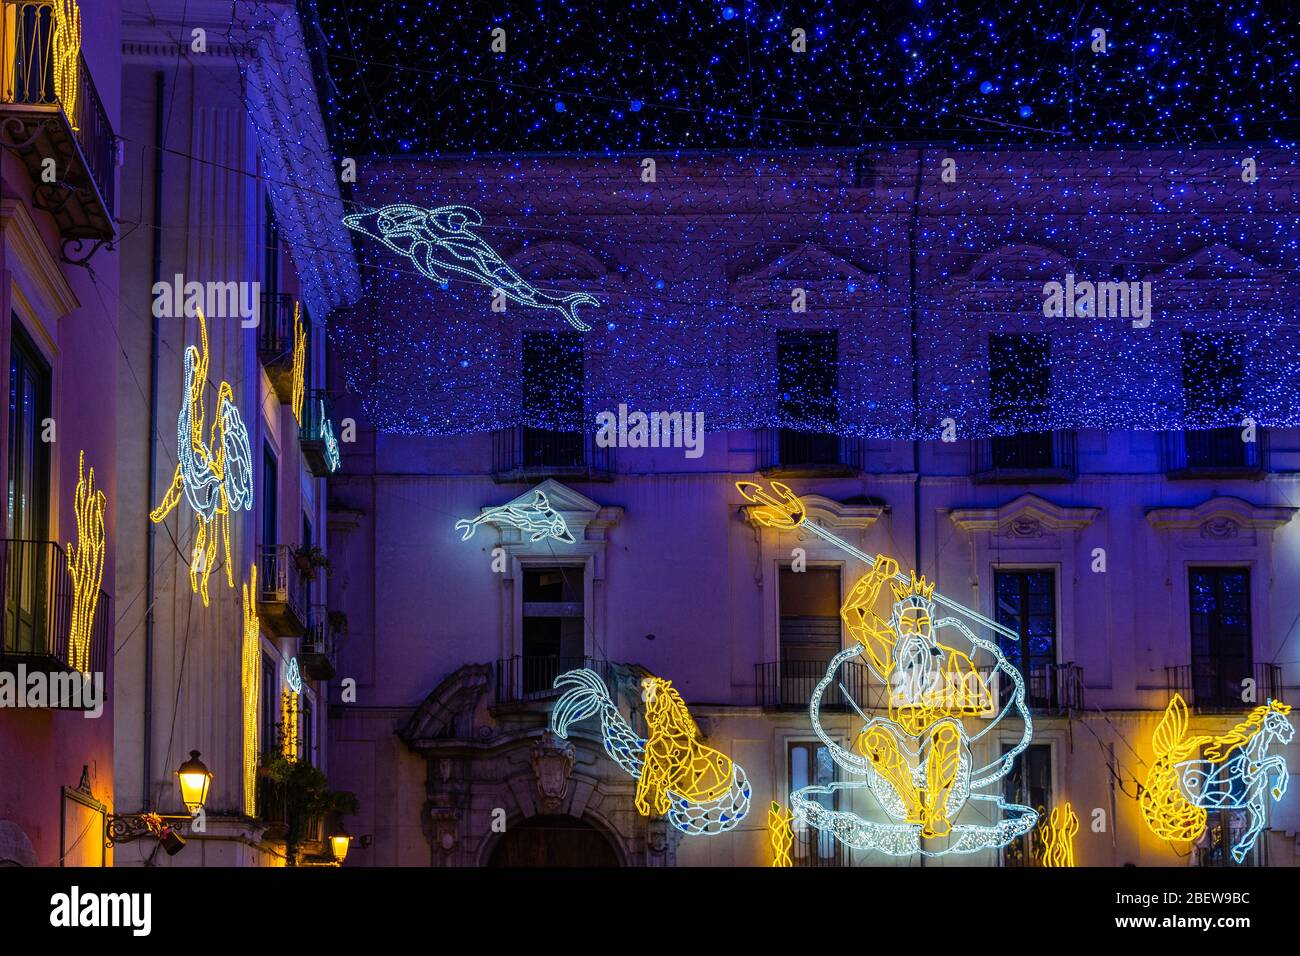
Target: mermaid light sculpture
[216, 477]
[1234, 771]
[703, 791]
[918, 760]
[441, 242]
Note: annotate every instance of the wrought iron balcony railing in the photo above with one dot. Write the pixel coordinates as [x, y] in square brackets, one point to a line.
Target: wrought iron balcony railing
[283, 591]
[318, 436]
[816, 848]
[1048, 687]
[521, 453]
[1215, 453]
[320, 645]
[50, 109]
[38, 609]
[1026, 457]
[522, 679]
[788, 685]
[275, 342]
[1210, 687]
[791, 453]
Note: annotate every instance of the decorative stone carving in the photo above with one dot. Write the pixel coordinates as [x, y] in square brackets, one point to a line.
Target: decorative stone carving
[1026, 527]
[552, 761]
[1220, 528]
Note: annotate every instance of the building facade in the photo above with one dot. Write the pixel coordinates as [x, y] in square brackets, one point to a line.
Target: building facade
[231, 644]
[60, 109]
[923, 405]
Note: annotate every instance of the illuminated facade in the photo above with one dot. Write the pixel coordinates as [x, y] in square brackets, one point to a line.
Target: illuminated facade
[1117, 555]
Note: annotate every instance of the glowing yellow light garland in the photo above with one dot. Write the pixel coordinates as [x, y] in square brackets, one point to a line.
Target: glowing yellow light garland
[289, 723]
[1054, 837]
[251, 684]
[65, 49]
[781, 834]
[299, 362]
[1233, 771]
[216, 478]
[86, 565]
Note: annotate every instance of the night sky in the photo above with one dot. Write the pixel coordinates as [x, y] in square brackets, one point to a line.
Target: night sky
[421, 77]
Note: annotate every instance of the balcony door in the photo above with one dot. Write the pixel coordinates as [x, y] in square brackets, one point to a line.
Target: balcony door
[810, 632]
[1020, 388]
[1026, 602]
[1221, 639]
[552, 383]
[807, 372]
[26, 555]
[554, 626]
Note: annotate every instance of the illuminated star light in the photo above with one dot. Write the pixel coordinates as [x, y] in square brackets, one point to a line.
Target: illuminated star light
[440, 242]
[216, 477]
[703, 791]
[1234, 771]
[86, 564]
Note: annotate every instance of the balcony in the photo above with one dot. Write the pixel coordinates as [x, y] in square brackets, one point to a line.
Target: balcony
[283, 592]
[275, 342]
[788, 685]
[525, 679]
[528, 454]
[817, 848]
[320, 446]
[1214, 453]
[1049, 688]
[49, 108]
[319, 647]
[787, 453]
[1027, 458]
[1210, 688]
[38, 610]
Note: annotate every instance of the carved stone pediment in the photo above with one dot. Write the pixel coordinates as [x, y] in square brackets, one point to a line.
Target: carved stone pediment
[451, 710]
[1028, 516]
[1222, 518]
[809, 267]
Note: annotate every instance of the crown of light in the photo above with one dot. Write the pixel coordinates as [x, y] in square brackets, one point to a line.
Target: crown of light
[917, 587]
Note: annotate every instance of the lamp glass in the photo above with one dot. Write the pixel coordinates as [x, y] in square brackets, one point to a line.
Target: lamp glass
[194, 779]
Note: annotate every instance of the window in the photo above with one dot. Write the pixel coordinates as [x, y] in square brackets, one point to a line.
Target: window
[28, 557]
[308, 731]
[809, 764]
[1020, 383]
[271, 282]
[270, 708]
[1029, 784]
[810, 632]
[1026, 602]
[1221, 639]
[553, 627]
[807, 373]
[553, 384]
[1213, 377]
[270, 499]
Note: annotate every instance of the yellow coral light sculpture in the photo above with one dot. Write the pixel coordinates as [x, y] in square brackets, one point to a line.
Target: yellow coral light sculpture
[289, 723]
[214, 476]
[65, 53]
[86, 564]
[251, 685]
[1054, 837]
[781, 833]
[299, 362]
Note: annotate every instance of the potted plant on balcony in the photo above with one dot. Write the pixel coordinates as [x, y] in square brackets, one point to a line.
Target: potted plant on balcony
[311, 559]
[300, 794]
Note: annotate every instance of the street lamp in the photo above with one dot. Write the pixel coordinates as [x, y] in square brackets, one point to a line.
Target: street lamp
[340, 842]
[195, 779]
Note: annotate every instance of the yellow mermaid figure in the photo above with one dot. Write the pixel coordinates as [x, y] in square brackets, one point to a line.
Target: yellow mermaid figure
[674, 757]
[1233, 771]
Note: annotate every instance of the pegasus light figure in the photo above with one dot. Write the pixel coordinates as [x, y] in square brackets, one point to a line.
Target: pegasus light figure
[537, 519]
[702, 791]
[441, 243]
[215, 476]
[1235, 771]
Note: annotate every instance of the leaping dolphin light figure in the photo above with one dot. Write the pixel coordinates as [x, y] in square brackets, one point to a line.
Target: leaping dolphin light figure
[441, 242]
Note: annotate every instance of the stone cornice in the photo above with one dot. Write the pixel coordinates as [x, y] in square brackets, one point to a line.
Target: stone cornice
[37, 275]
[1221, 511]
[1023, 510]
